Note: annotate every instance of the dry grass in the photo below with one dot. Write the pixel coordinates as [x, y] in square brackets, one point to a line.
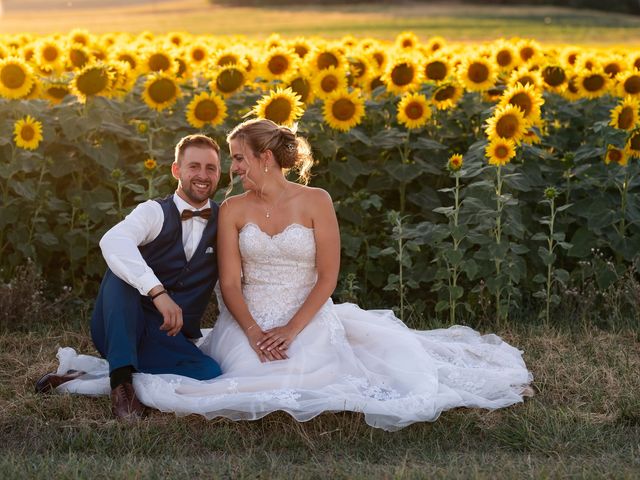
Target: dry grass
[453, 21]
[584, 422]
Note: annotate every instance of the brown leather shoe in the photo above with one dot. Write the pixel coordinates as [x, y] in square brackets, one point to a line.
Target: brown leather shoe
[124, 403]
[51, 381]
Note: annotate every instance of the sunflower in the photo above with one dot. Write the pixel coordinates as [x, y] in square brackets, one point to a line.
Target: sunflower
[229, 56]
[79, 36]
[403, 74]
[55, 91]
[592, 83]
[228, 80]
[379, 55]
[633, 144]
[94, 79]
[530, 51]
[16, 78]
[177, 38]
[282, 106]
[206, 108]
[526, 98]
[78, 56]
[150, 164]
[327, 81]
[508, 123]
[616, 155]
[324, 56]
[587, 61]
[625, 116]
[279, 63]
[123, 78]
[435, 43]
[301, 86]
[506, 56]
[343, 110]
[437, 68]
[198, 53]
[613, 65]
[360, 67]
[128, 55]
[455, 162]
[554, 77]
[160, 91]
[447, 96]
[569, 56]
[160, 60]
[476, 73]
[500, 151]
[47, 53]
[629, 83]
[413, 110]
[525, 76]
[301, 46]
[407, 41]
[27, 133]
[572, 93]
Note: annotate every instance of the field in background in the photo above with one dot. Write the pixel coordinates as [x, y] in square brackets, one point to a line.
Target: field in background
[455, 22]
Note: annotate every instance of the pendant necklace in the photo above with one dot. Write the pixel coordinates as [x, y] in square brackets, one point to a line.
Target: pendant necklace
[275, 204]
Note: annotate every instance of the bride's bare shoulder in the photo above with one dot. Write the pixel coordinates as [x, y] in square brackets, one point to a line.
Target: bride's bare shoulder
[313, 194]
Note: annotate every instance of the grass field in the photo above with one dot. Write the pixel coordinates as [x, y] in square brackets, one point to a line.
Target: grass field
[584, 423]
[452, 21]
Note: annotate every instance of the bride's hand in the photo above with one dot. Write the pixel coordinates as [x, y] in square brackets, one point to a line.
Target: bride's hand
[277, 340]
[256, 338]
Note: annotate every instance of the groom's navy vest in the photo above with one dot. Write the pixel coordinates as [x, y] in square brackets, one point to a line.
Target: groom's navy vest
[189, 283]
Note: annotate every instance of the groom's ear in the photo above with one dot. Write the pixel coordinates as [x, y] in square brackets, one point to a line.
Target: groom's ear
[175, 170]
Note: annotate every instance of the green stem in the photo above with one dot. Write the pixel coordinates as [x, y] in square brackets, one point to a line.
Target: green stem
[550, 266]
[498, 232]
[623, 209]
[456, 243]
[400, 279]
[34, 218]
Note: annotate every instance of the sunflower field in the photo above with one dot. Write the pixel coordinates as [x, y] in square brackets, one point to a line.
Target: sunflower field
[466, 177]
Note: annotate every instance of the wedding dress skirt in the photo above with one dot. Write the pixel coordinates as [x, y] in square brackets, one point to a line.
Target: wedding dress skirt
[345, 359]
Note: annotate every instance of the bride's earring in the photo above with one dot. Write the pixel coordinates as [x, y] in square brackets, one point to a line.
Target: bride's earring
[265, 169]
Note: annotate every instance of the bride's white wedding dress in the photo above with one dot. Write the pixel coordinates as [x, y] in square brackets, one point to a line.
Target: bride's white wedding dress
[345, 359]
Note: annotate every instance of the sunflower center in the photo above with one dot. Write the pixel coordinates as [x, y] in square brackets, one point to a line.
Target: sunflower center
[504, 58]
[526, 53]
[507, 126]
[522, 101]
[526, 80]
[615, 155]
[572, 58]
[302, 87]
[436, 70]
[50, 53]
[159, 62]
[182, 67]
[278, 64]
[478, 72]
[162, 90]
[407, 43]
[376, 82]
[27, 133]
[632, 85]
[612, 69]
[78, 57]
[206, 110]
[636, 63]
[13, 76]
[229, 80]
[402, 74]
[414, 110]
[625, 119]
[92, 81]
[198, 54]
[358, 68]
[343, 109]
[379, 58]
[444, 93]
[593, 83]
[329, 83]
[278, 110]
[326, 60]
[553, 76]
[227, 60]
[571, 86]
[301, 50]
[57, 92]
[125, 57]
[634, 142]
[502, 151]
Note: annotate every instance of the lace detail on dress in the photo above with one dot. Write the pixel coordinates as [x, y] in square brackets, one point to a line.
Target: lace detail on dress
[278, 272]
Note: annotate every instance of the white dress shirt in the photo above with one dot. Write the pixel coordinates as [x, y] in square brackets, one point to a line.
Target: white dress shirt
[120, 244]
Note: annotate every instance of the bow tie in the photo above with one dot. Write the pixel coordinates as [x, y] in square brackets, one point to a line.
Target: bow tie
[187, 214]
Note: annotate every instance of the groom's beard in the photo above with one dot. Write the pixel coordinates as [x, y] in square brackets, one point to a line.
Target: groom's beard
[195, 194]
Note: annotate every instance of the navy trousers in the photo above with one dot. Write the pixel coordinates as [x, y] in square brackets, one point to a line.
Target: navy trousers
[128, 334]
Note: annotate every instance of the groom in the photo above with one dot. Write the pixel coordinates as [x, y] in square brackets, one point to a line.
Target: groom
[162, 270]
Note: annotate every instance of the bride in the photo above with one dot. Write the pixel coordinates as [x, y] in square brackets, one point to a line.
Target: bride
[283, 344]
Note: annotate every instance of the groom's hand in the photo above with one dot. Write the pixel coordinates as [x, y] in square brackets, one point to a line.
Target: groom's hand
[171, 313]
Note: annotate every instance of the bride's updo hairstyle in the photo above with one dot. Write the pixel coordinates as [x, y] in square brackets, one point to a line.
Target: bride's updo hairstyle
[289, 151]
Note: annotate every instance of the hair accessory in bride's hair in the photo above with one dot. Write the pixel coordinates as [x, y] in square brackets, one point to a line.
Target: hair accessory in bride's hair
[291, 147]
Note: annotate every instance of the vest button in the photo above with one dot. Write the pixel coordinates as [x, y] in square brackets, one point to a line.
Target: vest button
[180, 284]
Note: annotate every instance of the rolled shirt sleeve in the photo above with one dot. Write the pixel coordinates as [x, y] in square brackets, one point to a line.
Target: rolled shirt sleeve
[120, 244]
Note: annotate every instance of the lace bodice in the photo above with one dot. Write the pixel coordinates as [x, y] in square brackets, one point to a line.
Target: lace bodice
[277, 271]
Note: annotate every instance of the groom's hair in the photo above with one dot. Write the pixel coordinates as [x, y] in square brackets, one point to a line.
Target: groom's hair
[196, 140]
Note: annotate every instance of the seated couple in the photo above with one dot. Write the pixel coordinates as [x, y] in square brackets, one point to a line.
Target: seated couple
[279, 342]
